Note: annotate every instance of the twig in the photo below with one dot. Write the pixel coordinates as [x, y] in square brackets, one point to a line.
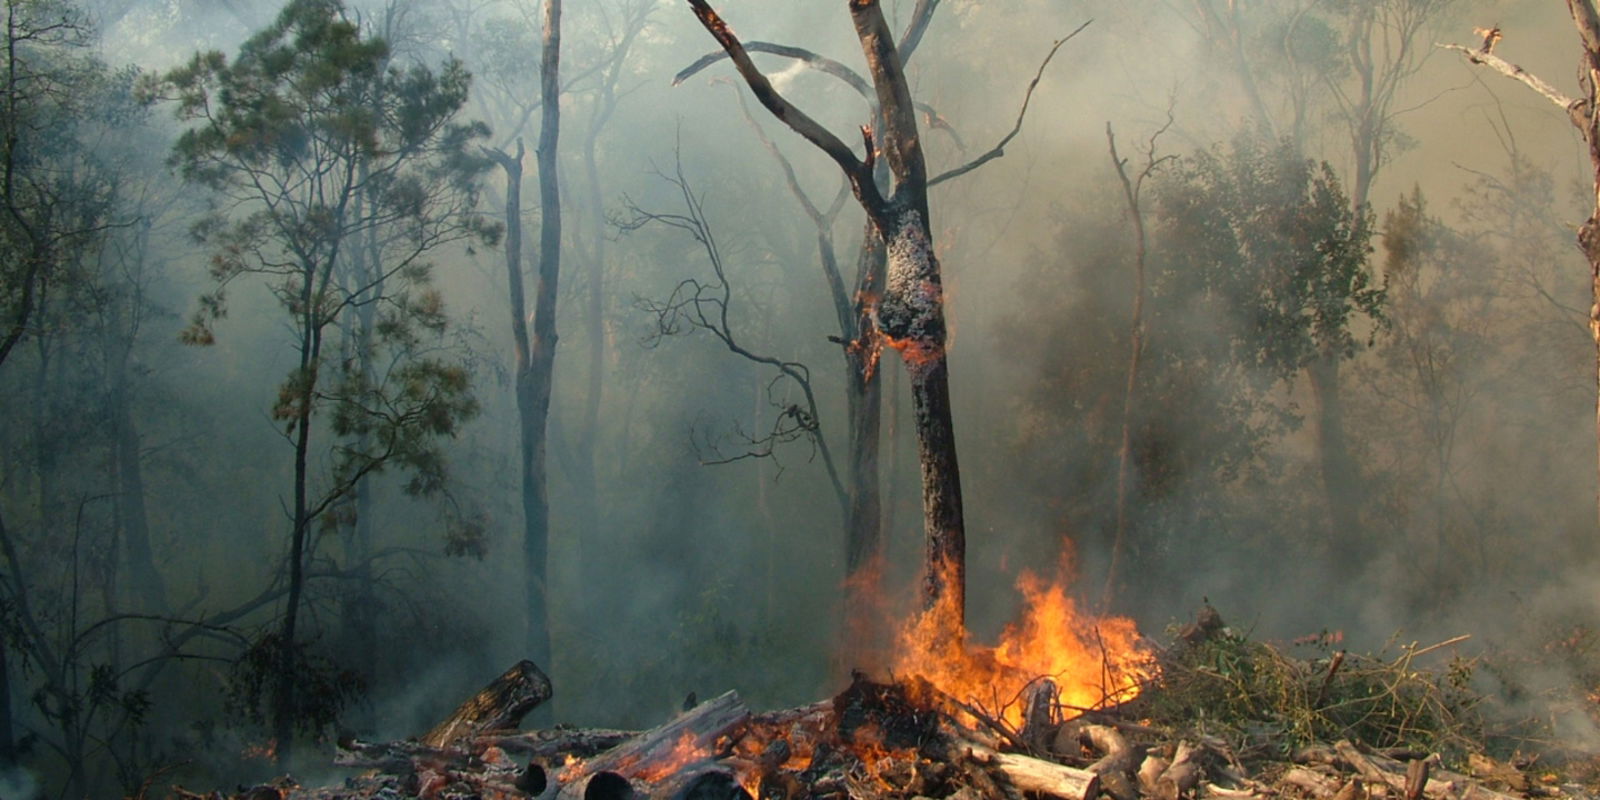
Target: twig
[1000, 148]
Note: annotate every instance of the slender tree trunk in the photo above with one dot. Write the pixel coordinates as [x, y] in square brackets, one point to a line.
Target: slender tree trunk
[534, 388]
[1130, 191]
[361, 617]
[284, 702]
[133, 517]
[1340, 481]
[8, 741]
[587, 488]
[864, 557]
[46, 445]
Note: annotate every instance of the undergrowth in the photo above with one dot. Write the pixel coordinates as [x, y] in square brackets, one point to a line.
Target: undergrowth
[1264, 700]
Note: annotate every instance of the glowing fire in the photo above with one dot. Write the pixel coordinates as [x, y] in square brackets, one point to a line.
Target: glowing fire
[685, 751]
[1093, 661]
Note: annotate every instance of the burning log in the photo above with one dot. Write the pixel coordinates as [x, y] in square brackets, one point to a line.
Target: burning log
[709, 783]
[545, 745]
[500, 705]
[661, 752]
[1041, 716]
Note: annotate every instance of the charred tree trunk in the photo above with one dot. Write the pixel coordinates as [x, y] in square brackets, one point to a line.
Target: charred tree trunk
[911, 309]
[911, 316]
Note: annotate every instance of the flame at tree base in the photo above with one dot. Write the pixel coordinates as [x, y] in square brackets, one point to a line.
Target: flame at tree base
[1094, 661]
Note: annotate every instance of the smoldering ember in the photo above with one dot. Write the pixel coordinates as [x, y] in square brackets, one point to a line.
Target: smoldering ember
[1160, 400]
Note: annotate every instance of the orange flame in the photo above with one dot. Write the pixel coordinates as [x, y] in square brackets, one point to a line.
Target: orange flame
[685, 751]
[1093, 661]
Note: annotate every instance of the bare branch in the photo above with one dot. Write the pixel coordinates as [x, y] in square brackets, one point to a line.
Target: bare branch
[1479, 56]
[811, 59]
[920, 17]
[827, 66]
[1000, 148]
[860, 174]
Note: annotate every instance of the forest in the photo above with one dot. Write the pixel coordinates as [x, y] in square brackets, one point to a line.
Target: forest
[352, 350]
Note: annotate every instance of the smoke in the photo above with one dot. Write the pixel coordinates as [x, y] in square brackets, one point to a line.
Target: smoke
[19, 784]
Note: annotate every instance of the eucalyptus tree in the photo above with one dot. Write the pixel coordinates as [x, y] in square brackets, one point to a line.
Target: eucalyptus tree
[1349, 63]
[312, 138]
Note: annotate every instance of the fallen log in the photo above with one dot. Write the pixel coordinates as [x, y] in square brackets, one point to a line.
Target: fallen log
[1036, 775]
[500, 705]
[553, 742]
[1150, 773]
[1311, 782]
[1416, 779]
[1117, 765]
[1181, 776]
[661, 752]
[1028, 774]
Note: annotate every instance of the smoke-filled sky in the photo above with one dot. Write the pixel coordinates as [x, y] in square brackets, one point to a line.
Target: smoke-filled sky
[1467, 400]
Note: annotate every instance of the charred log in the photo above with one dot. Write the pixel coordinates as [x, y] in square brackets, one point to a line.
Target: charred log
[500, 705]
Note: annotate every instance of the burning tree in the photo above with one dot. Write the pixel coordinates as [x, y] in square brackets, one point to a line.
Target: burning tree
[910, 307]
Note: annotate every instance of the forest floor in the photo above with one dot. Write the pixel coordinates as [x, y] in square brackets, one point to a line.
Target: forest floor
[1222, 717]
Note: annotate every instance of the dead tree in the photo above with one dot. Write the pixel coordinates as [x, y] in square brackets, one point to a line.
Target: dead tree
[1584, 112]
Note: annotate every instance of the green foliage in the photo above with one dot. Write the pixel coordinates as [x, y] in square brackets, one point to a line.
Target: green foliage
[319, 136]
[1256, 694]
[1269, 241]
[323, 688]
[341, 170]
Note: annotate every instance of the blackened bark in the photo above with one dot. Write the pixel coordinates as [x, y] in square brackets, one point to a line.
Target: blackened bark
[911, 316]
[911, 309]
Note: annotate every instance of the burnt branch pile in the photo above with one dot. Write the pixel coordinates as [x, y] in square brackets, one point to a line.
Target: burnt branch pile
[897, 740]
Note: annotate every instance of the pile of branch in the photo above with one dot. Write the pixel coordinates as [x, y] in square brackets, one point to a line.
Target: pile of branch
[874, 740]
